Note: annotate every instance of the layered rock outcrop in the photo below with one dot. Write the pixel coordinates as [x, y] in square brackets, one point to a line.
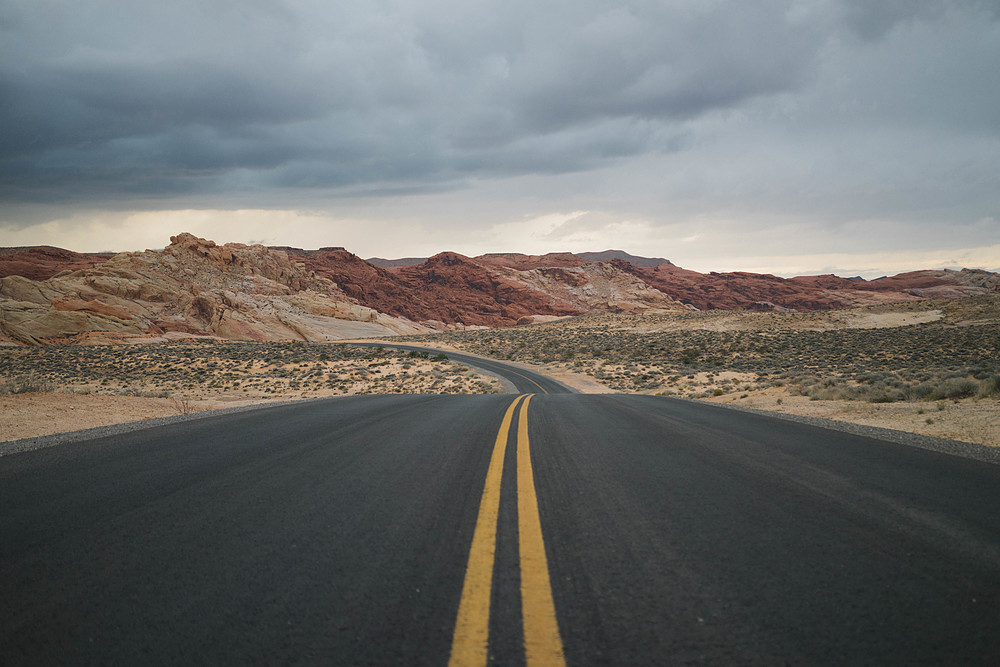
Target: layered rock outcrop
[192, 287]
[43, 262]
[197, 287]
[761, 292]
[448, 288]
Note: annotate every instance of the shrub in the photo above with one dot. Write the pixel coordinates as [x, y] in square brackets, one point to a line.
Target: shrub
[920, 391]
[990, 387]
[690, 355]
[954, 388]
[833, 393]
[25, 384]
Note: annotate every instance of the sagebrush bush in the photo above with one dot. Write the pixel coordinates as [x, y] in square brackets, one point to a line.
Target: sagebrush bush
[954, 388]
[25, 384]
[920, 391]
[990, 387]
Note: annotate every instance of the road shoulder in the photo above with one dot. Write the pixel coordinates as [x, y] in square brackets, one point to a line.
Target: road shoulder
[954, 447]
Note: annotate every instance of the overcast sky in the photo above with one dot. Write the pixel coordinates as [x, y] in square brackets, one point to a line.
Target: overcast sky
[792, 137]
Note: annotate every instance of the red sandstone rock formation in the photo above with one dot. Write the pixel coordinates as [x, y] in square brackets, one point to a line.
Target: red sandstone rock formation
[43, 262]
[515, 260]
[195, 286]
[448, 288]
[752, 291]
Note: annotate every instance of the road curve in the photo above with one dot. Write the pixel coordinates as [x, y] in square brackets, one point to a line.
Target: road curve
[341, 531]
[523, 379]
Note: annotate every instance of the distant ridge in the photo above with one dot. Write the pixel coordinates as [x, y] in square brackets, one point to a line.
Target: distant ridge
[390, 263]
[608, 255]
[287, 248]
[604, 256]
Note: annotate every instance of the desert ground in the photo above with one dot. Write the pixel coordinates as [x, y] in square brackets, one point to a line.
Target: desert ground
[924, 367]
[53, 389]
[930, 367]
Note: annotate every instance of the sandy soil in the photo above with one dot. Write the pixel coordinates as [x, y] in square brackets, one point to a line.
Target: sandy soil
[32, 415]
[889, 320]
[578, 381]
[730, 321]
[969, 420]
[69, 388]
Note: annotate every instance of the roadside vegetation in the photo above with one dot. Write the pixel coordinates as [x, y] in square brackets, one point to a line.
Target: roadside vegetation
[953, 354]
[252, 370]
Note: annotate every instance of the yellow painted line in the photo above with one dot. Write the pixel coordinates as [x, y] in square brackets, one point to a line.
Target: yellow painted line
[472, 628]
[542, 644]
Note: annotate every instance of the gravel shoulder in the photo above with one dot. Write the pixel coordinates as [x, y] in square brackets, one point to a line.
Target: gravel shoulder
[961, 448]
[112, 416]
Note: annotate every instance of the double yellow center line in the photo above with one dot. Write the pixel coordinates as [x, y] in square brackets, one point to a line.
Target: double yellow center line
[542, 644]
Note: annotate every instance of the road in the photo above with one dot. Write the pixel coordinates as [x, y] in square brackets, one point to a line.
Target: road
[524, 381]
[414, 529]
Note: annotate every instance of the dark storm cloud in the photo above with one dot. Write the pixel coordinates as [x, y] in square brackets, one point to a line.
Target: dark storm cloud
[107, 101]
[873, 20]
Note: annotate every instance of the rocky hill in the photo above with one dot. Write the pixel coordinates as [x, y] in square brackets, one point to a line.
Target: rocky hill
[752, 291]
[391, 263]
[234, 291]
[609, 255]
[43, 262]
[446, 289]
[192, 287]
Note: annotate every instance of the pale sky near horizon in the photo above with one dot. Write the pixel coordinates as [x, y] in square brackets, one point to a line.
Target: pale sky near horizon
[779, 136]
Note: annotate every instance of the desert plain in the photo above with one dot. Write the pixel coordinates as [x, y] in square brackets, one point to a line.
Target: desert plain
[58, 388]
[928, 367]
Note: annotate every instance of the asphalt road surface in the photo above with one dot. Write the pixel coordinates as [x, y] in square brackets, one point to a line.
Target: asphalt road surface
[505, 529]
